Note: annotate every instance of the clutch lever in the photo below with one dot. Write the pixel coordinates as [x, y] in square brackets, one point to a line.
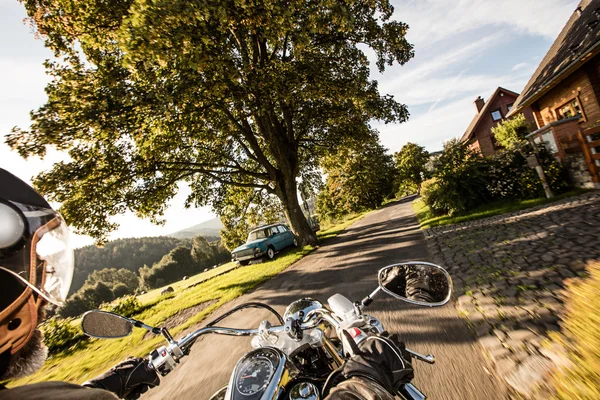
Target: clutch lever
[429, 359]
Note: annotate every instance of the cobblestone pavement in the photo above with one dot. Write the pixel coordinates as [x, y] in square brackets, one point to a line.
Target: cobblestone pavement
[509, 273]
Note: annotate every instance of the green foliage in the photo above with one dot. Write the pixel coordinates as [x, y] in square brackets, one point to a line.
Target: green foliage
[460, 180]
[431, 194]
[511, 133]
[86, 298]
[359, 178]
[131, 254]
[244, 210]
[127, 306]
[510, 177]
[151, 94]
[410, 162]
[463, 180]
[120, 290]
[113, 277]
[61, 335]
[181, 262]
[581, 339]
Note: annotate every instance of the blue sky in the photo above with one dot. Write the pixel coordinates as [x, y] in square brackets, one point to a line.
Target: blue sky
[464, 49]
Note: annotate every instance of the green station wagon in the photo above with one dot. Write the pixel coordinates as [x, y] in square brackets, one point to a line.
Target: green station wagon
[264, 241]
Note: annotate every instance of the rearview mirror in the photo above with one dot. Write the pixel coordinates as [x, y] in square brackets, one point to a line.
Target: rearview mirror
[418, 283]
[105, 325]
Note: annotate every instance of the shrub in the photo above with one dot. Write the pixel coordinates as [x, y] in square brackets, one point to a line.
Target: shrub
[61, 335]
[430, 190]
[556, 173]
[120, 290]
[460, 184]
[510, 177]
[126, 306]
[582, 340]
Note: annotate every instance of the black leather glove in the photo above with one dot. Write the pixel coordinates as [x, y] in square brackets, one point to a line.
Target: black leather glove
[128, 379]
[383, 359]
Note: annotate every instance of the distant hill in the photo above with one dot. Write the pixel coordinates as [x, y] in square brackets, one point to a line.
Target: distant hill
[129, 253]
[207, 229]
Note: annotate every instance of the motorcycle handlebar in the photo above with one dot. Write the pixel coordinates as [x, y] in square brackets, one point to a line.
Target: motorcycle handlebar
[313, 319]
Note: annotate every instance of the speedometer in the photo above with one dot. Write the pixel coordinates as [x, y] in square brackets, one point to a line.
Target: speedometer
[254, 375]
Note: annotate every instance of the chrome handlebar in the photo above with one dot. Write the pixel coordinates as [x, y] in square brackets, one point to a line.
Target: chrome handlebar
[166, 358]
[312, 320]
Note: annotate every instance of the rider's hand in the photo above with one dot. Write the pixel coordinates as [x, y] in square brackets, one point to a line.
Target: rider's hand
[128, 379]
[383, 359]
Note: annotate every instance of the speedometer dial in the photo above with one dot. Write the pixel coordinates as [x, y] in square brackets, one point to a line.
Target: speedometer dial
[254, 376]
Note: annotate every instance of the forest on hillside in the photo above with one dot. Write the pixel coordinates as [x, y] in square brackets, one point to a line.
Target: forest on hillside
[130, 254]
[130, 266]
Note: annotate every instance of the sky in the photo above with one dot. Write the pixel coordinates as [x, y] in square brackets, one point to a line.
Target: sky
[463, 49]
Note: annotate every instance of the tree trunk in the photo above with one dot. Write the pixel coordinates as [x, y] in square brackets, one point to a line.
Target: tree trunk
[287, 193]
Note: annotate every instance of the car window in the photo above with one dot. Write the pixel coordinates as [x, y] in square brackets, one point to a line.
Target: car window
[255, 235]
[282, 229]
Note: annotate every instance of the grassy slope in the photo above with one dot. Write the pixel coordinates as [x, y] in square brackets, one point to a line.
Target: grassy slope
[99, 355]
[428, 220]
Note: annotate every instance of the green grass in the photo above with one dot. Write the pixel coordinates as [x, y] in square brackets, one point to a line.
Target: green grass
[330, 231]
[191, 281]
[428, 220]
[98, 355]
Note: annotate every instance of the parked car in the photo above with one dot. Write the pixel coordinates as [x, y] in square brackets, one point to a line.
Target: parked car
[264, 241]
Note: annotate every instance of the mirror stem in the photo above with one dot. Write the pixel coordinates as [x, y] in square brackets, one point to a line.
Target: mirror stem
[165, 332]
[369, 299]
[140, 324]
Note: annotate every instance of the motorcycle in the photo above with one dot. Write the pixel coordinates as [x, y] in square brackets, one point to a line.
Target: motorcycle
[293, 360]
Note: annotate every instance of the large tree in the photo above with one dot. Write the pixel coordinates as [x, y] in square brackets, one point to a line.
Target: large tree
[147, 94]
[411, 161]
[359, 177]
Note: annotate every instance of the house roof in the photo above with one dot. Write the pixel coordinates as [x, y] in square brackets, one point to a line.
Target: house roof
[578, 41]
[468, 135]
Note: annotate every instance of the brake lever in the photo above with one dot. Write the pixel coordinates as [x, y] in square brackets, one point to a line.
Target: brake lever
[429, 359]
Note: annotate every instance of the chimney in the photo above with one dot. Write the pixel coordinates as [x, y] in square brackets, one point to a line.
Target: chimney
[578, 11]
[479, 104]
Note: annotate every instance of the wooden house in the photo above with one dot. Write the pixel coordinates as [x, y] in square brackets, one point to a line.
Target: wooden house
[564, 94]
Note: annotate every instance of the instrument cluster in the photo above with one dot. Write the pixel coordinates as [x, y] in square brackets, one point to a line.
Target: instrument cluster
[254, 373]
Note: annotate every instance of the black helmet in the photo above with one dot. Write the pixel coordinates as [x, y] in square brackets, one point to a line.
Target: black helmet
[36, 260]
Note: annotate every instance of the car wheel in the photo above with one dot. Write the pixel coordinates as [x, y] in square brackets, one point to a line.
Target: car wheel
[244, 263]
[270, 253]
[295, 242]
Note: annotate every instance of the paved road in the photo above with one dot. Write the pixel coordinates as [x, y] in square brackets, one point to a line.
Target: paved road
[349, 265]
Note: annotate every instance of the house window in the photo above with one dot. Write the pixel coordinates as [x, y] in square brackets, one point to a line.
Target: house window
[568, 110]
[509, 106]
[496, 115]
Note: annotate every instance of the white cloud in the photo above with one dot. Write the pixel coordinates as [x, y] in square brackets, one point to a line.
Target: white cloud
[434, 20]
[521, 66]
[430, 129]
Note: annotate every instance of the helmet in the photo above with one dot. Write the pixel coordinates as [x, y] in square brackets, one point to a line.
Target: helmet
[36, 260]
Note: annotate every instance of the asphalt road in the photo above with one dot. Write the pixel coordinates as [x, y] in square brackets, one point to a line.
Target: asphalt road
[349, 265]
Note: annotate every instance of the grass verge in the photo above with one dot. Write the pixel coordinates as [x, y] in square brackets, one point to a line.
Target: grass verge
[220, 286]
[428, 220]
[332, 230]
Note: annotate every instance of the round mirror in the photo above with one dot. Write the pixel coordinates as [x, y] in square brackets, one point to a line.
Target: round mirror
[105, 325]
[417, 283]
